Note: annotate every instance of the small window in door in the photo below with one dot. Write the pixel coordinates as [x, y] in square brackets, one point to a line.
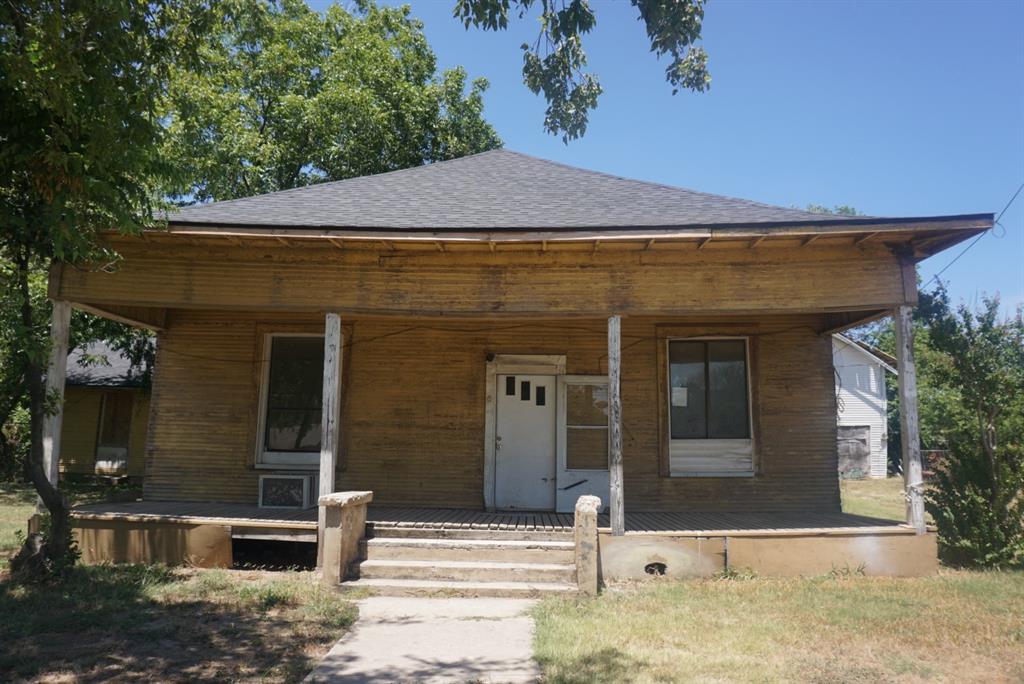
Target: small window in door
[116, 420]
[586, 426]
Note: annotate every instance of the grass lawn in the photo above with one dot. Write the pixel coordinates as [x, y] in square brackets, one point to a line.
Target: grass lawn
[955, 627]
[874, 498]
[152, 623]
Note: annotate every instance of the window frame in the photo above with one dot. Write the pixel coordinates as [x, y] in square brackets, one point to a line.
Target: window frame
[104, 399]
[278, 460]
[562, 422]
[666, 410]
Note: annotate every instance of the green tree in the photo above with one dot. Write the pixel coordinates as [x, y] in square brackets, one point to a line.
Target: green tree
[79, 83]
[977, 498]
[554, 65]
[284, 96]
[838, 210]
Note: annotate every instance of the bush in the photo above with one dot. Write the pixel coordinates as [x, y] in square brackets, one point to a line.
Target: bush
[977, 496]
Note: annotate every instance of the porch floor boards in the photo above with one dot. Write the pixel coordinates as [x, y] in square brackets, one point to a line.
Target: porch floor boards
[698, 523]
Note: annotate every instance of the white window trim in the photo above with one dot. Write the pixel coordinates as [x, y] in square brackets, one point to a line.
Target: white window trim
[278, 460]
[563, 419]
[667, 407]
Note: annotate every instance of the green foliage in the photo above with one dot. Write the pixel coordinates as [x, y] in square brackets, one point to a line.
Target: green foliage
[970, 374]
[79, 85]
[284, 97]
[977, 498]
[838, 210]
[554, 65]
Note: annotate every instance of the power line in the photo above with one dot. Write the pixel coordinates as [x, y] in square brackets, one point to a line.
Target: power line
[975, 240]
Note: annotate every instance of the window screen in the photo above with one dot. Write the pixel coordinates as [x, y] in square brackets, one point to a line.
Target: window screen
[586, 427]
[294, 394]
[115, 427]
[708, 396]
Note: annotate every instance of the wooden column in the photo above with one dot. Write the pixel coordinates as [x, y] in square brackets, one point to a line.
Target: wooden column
[330, 424]
[55, 373]
[910, 434]
[618, 516]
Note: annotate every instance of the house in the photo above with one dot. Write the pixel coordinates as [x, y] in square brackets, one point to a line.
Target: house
[862, 416]
[481, 342]
[106, 413]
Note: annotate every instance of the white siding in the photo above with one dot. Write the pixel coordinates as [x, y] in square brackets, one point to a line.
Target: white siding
[860, 393]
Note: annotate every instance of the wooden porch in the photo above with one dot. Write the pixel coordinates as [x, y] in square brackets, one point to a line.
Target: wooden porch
[250, 521]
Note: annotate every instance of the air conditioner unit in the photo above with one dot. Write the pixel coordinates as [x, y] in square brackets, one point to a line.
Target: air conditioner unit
[288, 490]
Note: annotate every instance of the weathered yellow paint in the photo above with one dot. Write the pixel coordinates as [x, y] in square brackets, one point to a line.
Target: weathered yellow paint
[413, 408]
[548, 283]
[82, 409]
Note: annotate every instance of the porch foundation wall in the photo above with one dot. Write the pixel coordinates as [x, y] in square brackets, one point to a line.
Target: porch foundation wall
[121, 541]
[638, 556]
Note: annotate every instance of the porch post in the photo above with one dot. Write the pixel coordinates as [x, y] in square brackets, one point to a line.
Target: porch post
[331, 418]
[618, 516]
[55, 372]
[910, 437]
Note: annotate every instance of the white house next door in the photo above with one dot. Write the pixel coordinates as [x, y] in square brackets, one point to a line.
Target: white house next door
[525, 442]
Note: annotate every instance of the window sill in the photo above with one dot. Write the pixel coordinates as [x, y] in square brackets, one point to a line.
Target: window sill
[287, 466]
[714, 474]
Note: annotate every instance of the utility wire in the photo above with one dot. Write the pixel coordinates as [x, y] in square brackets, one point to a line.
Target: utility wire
[975, 240]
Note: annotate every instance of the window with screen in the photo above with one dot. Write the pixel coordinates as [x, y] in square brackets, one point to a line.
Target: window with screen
[293, 400]
[586, 426]
[709, 406]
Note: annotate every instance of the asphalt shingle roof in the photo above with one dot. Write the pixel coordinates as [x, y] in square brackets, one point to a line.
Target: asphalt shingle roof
[98, 365]
[496, 190]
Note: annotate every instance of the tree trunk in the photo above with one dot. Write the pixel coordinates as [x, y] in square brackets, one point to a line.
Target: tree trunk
[49, 494]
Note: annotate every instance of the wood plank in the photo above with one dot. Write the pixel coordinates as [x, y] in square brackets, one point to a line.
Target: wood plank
[617, 512]
[60, 324]
[913, 478]
[330, 422]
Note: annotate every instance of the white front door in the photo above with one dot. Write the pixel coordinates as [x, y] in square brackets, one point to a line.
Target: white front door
[525, 443]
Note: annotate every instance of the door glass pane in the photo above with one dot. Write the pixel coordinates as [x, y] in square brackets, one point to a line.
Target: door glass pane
[586, 405]
[586, 448]
[727, 369]
[294, 394]
[117, 419]
[687, 390]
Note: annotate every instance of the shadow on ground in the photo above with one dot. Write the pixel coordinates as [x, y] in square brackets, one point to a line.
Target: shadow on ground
[606, 666]
[132, 623]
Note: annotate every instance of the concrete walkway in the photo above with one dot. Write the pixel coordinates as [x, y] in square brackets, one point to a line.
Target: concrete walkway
[434, 640]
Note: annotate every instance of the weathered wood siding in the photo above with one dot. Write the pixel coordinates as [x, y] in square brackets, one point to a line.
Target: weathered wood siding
[81, 425]
[413, 408]
[679, 281]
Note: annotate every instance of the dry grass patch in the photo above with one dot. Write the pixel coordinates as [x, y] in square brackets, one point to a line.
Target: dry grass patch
[874, 498]
[955, 627]
[152, 623]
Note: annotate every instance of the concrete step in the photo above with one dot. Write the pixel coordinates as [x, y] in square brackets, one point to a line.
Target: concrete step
[508, 550]
[442, 588]
[467, 571]
[384, 530]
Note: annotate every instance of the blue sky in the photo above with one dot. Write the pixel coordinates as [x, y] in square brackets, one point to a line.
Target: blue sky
[896, 108]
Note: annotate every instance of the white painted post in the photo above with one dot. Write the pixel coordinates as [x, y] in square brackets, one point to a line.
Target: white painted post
[618, 516]
[913, 478]
[55, 373]
[330, 424]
